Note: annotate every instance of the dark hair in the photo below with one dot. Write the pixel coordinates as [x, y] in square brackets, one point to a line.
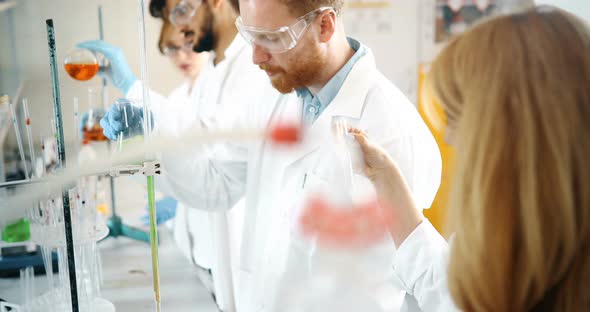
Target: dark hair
[236, 4]
[157, 6]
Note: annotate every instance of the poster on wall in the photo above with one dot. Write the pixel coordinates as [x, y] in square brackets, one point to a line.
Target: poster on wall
[368, 16]
[363, 4]
[390, 30]
[455, 16]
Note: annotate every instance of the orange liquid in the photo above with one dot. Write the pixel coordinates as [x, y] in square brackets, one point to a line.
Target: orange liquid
[94, 134]
[82, 72]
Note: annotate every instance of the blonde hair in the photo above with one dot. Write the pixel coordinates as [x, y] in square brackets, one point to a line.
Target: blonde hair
[516, 94]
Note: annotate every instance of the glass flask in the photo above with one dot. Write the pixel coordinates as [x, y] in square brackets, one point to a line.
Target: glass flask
[81, 64]
[342, 252]
[92, 130]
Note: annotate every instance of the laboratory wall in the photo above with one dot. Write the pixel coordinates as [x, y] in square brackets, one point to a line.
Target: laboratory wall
[580, 8]
[392, 30]
[8, 66]
[75, 21]
[399, 32]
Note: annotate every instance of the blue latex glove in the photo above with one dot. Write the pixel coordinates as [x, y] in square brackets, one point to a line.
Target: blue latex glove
[165, 210]
[119, 73]
[113, 122]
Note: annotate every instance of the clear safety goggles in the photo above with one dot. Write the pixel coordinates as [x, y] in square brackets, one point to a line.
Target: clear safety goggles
[172, 51]
[184, 11]
[282, 39]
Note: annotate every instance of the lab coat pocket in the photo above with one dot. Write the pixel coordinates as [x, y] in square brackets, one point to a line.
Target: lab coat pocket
[302, 188]
[312, 185]
[312, 182]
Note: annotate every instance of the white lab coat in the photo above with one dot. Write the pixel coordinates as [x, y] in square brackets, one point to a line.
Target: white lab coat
[420, 267]
[269, 251]
[192, 228]
[234, 93]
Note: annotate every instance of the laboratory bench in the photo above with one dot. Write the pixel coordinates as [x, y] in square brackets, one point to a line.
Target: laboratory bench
[127, 269]
[127, 278]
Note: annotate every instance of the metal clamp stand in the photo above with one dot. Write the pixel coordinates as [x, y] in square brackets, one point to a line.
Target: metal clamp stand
[115, 223]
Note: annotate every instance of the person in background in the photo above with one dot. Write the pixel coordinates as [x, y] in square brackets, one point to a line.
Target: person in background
[191, 229]
[517, 106]
[231, 93]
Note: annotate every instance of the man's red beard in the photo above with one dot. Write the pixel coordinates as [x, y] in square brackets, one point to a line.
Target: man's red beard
[299, 75]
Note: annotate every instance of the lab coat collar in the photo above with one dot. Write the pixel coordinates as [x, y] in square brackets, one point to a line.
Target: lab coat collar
[233, 50]
[349, 102]
[235, 46]
[350, 99]
[330, 89]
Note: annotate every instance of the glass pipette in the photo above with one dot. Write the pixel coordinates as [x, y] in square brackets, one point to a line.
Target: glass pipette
[29, 131]
[19, 139]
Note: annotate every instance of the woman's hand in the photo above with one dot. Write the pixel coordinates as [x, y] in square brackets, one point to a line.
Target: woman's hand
[377, 161]
[392, 190]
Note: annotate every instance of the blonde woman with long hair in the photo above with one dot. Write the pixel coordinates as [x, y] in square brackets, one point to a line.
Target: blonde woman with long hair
[516, 96]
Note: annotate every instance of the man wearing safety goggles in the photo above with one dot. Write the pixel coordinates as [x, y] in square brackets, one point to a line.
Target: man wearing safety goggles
[231, 92]
[302, 47]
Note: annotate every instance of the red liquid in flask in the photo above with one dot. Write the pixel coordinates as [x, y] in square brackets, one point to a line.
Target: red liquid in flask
[94, 134]
[82, 72]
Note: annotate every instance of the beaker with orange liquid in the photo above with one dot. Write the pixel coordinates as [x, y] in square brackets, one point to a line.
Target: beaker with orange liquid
[92, 131]
[81, 64]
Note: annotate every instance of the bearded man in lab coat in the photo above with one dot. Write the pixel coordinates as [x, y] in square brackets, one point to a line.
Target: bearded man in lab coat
[302, 47]
[230, 92]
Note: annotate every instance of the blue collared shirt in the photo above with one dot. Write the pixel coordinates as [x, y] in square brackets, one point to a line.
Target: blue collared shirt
[313, 106]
